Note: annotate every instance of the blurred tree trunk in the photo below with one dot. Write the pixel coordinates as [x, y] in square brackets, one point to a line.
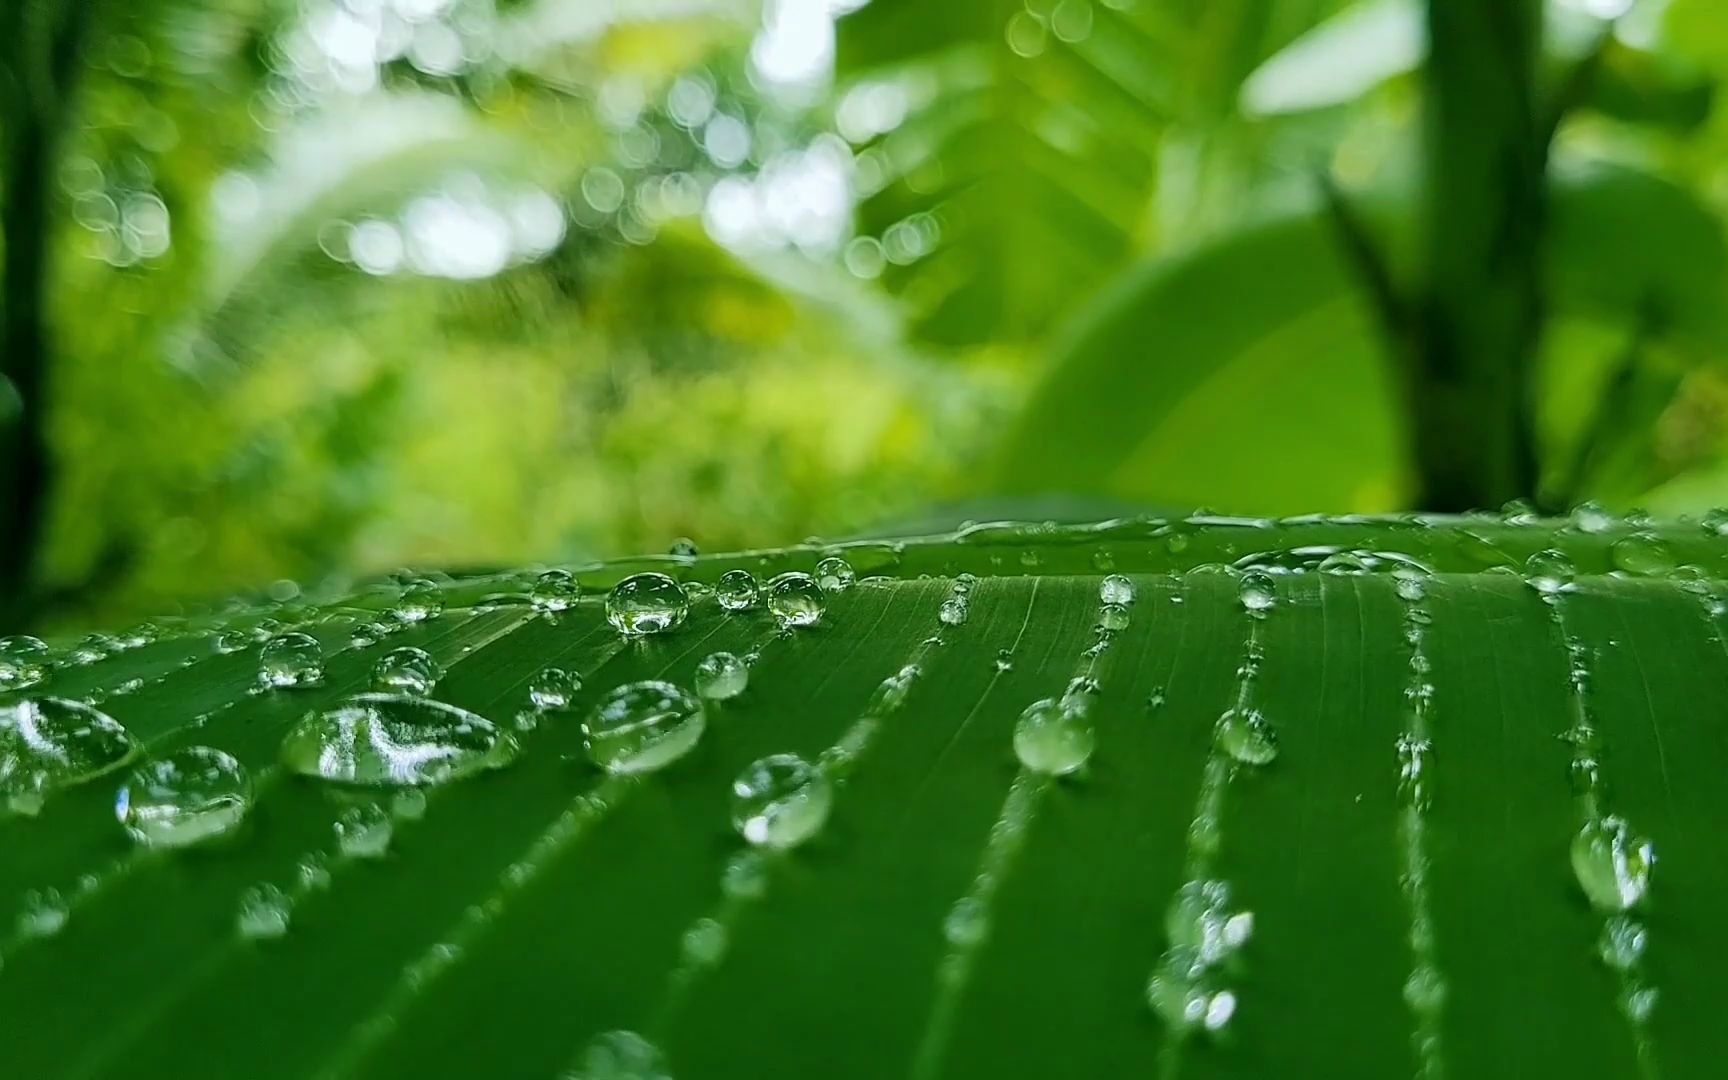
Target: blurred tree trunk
[39, 61]
[1477, 314]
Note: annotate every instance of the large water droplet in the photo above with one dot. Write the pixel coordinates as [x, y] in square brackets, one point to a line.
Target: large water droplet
[1257, 591]
[621, 1055]
[795, 599]
[721, 676]
[23, 662]
[264, 913]
[1112, 617]
[736, 590]
[394, 739]
[954, 610]
[1247, 736]
[406, 671]
[1051, 739]
[646, 604]
[1116, 589]
[554, 590]
[643, 726]
[290, 661]
[1643, 554]
[188, 797]
[553, 688]
[780, 801]
[364, 832]
[1549, 572]
[1612, 865]
[834, 574]
[49, 743]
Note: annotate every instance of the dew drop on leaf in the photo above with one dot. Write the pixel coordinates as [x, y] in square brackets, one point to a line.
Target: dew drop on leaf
[967, 923]
[1590, 517]
[620, 1055]
[394, 739]
[189, 797]
[1257, 591]
[420, 600]
[684, 548]
[49, 743]
[1612, 865]
[554, 590]
[290, 661]
[1116, 589]
[1247, 736]
[1549, 572]
[553, 688]
[646, 604]
[409, 804]
[264, 913]
[363, 832]
[721, 676]
[1622, 942]
[795, 599]
[42, 914]
[1642, 554]
[834, 574]
[1112, 617]
[780, 801]
[406, 671]
[745, 876]
[643, 726]
[1052, 739]
[954, 610]
[736, 590]
[92, 648]
[232, 641]
[23, 661]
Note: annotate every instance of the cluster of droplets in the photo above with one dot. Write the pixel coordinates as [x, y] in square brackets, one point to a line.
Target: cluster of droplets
[957, 605]
[1187, 988]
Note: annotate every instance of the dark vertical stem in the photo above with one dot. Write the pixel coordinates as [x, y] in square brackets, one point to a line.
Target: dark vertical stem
[45, 42]
[1478, 312]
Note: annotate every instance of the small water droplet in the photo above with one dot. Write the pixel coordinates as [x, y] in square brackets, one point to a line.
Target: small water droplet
[290, 661]
[1425, 990]
[834, 574]
[621, 1055]
[1549, 572]
[705, 942]
[1004, 660]
[1200, 919]
[736, 590]
[1052, 739]
[312, 873]
[555, 590]
[684, 548]
[1715, 522]
[1643, 554]
[23, 661]
[394, 739]
[745, 876]
[954, 610]
[780, 801]
[1257, 591]
[92, 648]
[1112, 617]
[186, 798]
[1612, 865]
[1030, 559]
[264, 913]
[420, 600]
[406, 671]
[721, 676]
[43, 914]
[1116, 589]
[1247, 736]
[363, 832]
[1414, 766]
[409, 804]
[967, 924]
[1102, 559]
[795, 599]
[231, 641]
[646, 604]
[1591, 517]
[1344, 562]
[643, 726]
[49, 743]
[553, 688]
[1622, 942]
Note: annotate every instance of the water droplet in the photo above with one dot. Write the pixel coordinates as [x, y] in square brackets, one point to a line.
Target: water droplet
[409, 804]
[264, 913]
[721, 676]
[954, 610]
[736, 590]
[1622, 942]
[92, 648]
[394, 739]
[49, 743]
[1425, 990]
[231, 641]
[1414, 765]
[1052, 739]
[290, 661]
[834, 574]
[967, 924]
[186, 798]
[621, 1055]
[684, 548]
[1612, 865]
[553, 688]
[780, 801]
[646, 604]
[1199, 919]
[555, 590]
[745, 876]
[23, 661]
[1004, 660]
[406, 671]
[1642, 554]
[795, 599]
[1715, 522]
[1411, 584]
[1344, 562]
[1102, 559]
[1247, 736]
[312, 873]
[1116, 589]
[421, 599]
[43, 914]
[363, 832]
[1257, 591]
[705, 942]
[643, 726]
[1590, 517]
[1549, 572]
[1112, 617]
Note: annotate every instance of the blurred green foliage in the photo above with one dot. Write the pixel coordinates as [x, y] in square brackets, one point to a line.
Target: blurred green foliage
[341, 285]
